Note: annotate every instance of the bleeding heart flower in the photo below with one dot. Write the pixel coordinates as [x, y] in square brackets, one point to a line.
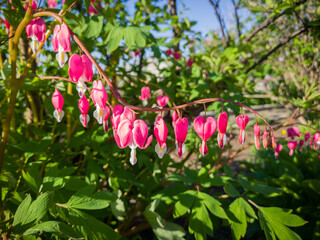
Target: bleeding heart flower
[36, 30]
[162, 100]
[132, 134]
[61, 43]
[189, 63]
[205, 128]
[307, 136]
[7, 25]
[99, 96]
[169, 52]
[222, 129]
[277, 150]
[301, 143]
[145, 95]
[177, 55]
[33, 6]
[80, 70]
[292, 145]
[84, 108]
[181, 131]
[160, 132]
[57, 101]
[120, 113]
[316, 140]
[293, 132]
[265, 138]
[136, 53]
[242, 121]
[257, 136]
[174, 118]
[52, 3]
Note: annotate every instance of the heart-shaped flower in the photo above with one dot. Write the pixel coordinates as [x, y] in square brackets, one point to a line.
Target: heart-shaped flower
[205, 128]
[222, 129]
[160, 132]
[242, 121]
[181, 131]
[162, 100]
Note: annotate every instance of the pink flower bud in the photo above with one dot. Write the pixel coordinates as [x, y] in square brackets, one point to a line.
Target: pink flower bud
[160, 132]
[169, 52]
[257, 136]
[222, 128]
[84, 108]
[52, 3]
[242, 121]
[181, 131]
[189, 63]
[277, 150]
[177, 55]
[57, 102]
[292, 145]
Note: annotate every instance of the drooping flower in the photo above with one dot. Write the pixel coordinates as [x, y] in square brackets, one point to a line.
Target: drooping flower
[162, 100]
[7, 25]
[292, 145]
[181, 131]
[174, 118]
[80, 70]
[242, 121]
[222, 129]
[205, 128]
[273, 142]
[133, 134]
[136, 53]
[120, 113]
[61, 43]
[169, 52]
[316, 140]
[257, 142]
[36, 30]
[160, 132]
[52, 3]
[57, 102]
[33, 6]
[301, 143]
[84, 108]
[307, 136]
[265, 138]
[145, 95]
[293, 132]
[277, 150]
[99, 96]
[177, 55]
[189, 63]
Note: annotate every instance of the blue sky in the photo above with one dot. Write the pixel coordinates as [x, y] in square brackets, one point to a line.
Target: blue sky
[202, 12]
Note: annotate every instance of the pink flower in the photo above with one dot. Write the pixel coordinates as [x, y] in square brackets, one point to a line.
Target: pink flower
[301, 143]
[84, 108]
[189, 63]
[133, 134]
[316, 140]
[61, 43]
[136, 53]
[145, 95]
[162, 100]
[80, 70]
[99, 97]
[36, 30]
[265, 139]
[222, 128]
[57, 102]
[242, 121]
[181, 131]
[120, 113]
[174, 118]
[205, 128]
[7, 25]
[52, 3]
[160, 132]
[292, 145]
[307, 136]
[277, 150]
[169, 52]
[177, 55]
[257, 136]
[33, 6]
[293, 132]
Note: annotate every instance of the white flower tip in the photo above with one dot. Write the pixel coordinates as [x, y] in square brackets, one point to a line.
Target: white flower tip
[58, 115]
[97, 114]
[133, 158]
[160, 151]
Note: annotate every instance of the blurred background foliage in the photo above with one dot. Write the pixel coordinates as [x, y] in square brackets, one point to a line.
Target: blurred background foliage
[60, 180]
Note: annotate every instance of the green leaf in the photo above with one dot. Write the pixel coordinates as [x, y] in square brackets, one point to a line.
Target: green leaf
[238, 225]
[231, 190]
[134, 37]
[200, 223]
[33, 178]
[87, 4]
[98, 200]
[29, 213]
[114, 38]
[274, 221]
[54, 227]
[213, 205]
[91, 227]
[68, 3]
[161, 228]
[95, 25]
[186, 200]
[118, 208]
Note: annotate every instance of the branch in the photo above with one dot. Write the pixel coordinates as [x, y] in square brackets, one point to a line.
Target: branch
[236, 6]
[221, 23]
[279, 45]
[269, 21]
